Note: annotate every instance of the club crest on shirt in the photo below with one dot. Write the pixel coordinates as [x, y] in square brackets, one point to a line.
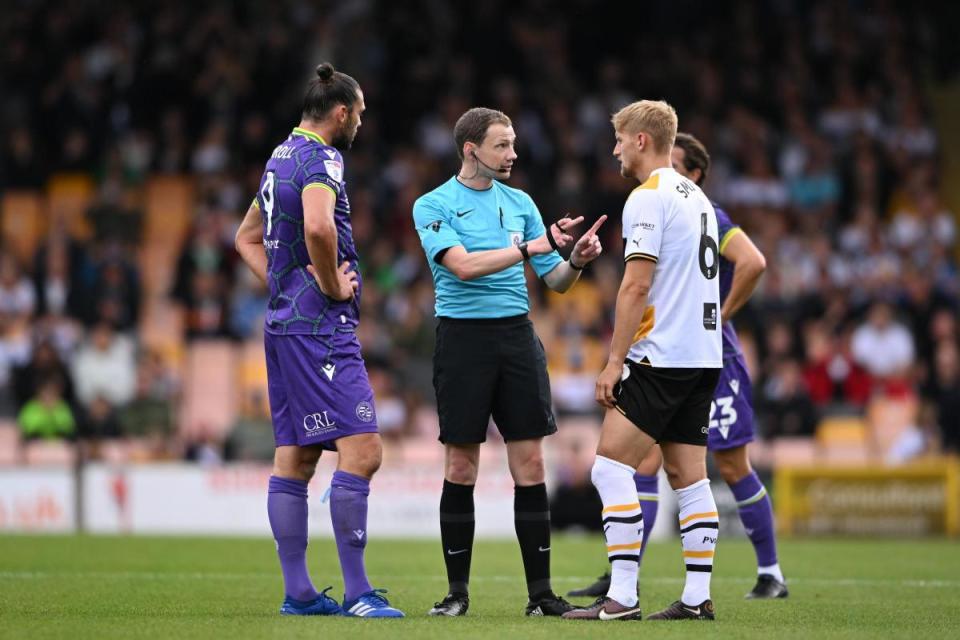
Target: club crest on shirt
[365, 411]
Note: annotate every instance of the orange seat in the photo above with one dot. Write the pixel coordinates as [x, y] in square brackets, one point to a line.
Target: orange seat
[69, 196]
[169, 211]
[24, 221]
[161, 330]
[252, 378]
[843, 440]
[9, 442]
[842, 430]
[209, 406]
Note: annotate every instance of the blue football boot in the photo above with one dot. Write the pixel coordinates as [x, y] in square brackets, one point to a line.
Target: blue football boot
[322, 605]
[370, 605]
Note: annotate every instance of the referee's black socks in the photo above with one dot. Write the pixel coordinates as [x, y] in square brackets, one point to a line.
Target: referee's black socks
[456, 533]
[531, 517]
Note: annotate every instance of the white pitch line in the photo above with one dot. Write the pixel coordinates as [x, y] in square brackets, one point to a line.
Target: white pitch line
[212, 575]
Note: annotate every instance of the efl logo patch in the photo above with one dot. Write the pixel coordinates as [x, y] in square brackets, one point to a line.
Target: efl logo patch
[710, 316]
[334, 169]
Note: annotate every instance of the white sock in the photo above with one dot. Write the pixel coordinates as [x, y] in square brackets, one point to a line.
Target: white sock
[699, 526]
[622, 526]
[773, 570]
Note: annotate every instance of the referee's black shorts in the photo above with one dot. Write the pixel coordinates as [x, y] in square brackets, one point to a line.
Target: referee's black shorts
[491, 367]
[668, 404]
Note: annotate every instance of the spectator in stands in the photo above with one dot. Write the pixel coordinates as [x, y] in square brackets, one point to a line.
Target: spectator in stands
[47, 414]
[574, 386]
[928, 222]
[16, 302]
[884, 347]
[203, 281]
[785, 406]
[247, 304]
[944, 391]
[830, 374]
[60, 274]
[251, 438]
[118, 95]
[207, 314]
[575, 502]
[99, 420]
[105, 368]
[204, 448]
[815, 192]
[391, 409]
[23, 166]
[44, 365]
[17, 299]
[116, 292]
[150, 412]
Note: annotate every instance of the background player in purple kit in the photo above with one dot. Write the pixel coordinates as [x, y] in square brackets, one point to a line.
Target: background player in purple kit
[297, 238]
[731, 413]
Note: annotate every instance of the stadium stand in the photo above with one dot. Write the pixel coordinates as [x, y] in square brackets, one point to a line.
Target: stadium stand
[141, 129]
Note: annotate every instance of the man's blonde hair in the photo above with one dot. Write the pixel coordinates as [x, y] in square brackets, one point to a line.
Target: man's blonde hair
[654, 117]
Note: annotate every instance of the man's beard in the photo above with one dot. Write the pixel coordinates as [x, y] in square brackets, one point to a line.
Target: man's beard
[343, 139]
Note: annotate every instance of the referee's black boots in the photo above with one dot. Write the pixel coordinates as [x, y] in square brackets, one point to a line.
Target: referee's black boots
[455, 604]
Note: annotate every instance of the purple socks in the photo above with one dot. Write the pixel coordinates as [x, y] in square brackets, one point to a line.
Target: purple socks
[756, 513]
[287, 510]
[648, 495]
[348, 513]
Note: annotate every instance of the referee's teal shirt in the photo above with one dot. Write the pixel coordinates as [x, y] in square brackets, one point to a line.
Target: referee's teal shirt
[456, 215]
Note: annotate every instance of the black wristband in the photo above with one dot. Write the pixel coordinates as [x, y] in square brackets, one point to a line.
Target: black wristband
[573, 266]
[553, 243]
[523, 250]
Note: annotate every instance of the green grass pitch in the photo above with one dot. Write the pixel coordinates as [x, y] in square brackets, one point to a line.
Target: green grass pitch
[139, 587]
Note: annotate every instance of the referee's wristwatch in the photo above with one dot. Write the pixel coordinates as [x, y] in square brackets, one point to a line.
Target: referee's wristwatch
[523, 250]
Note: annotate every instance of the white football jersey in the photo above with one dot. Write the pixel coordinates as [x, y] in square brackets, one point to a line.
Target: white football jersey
[669, 220]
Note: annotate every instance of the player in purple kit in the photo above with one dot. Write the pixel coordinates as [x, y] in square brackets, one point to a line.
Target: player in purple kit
[731, 414]
[296, 237]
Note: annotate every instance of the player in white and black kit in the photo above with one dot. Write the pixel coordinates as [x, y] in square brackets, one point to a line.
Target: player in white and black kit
[664, 364]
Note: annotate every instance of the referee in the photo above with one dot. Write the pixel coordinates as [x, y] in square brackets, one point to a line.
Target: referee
[477, 234]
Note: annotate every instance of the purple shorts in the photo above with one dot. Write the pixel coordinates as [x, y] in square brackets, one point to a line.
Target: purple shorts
[319, 390]
[731, 412]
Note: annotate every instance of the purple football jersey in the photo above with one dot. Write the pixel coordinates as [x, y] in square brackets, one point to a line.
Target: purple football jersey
[725, 226]
[297, 306]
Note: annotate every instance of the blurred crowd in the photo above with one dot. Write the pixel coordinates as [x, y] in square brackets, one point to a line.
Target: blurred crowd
[823, 149]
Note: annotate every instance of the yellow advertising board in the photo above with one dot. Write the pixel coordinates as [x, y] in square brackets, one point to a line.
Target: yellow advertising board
[922, 499]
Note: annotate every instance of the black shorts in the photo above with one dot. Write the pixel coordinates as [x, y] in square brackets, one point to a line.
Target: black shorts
[491, 367]
[671, 405]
